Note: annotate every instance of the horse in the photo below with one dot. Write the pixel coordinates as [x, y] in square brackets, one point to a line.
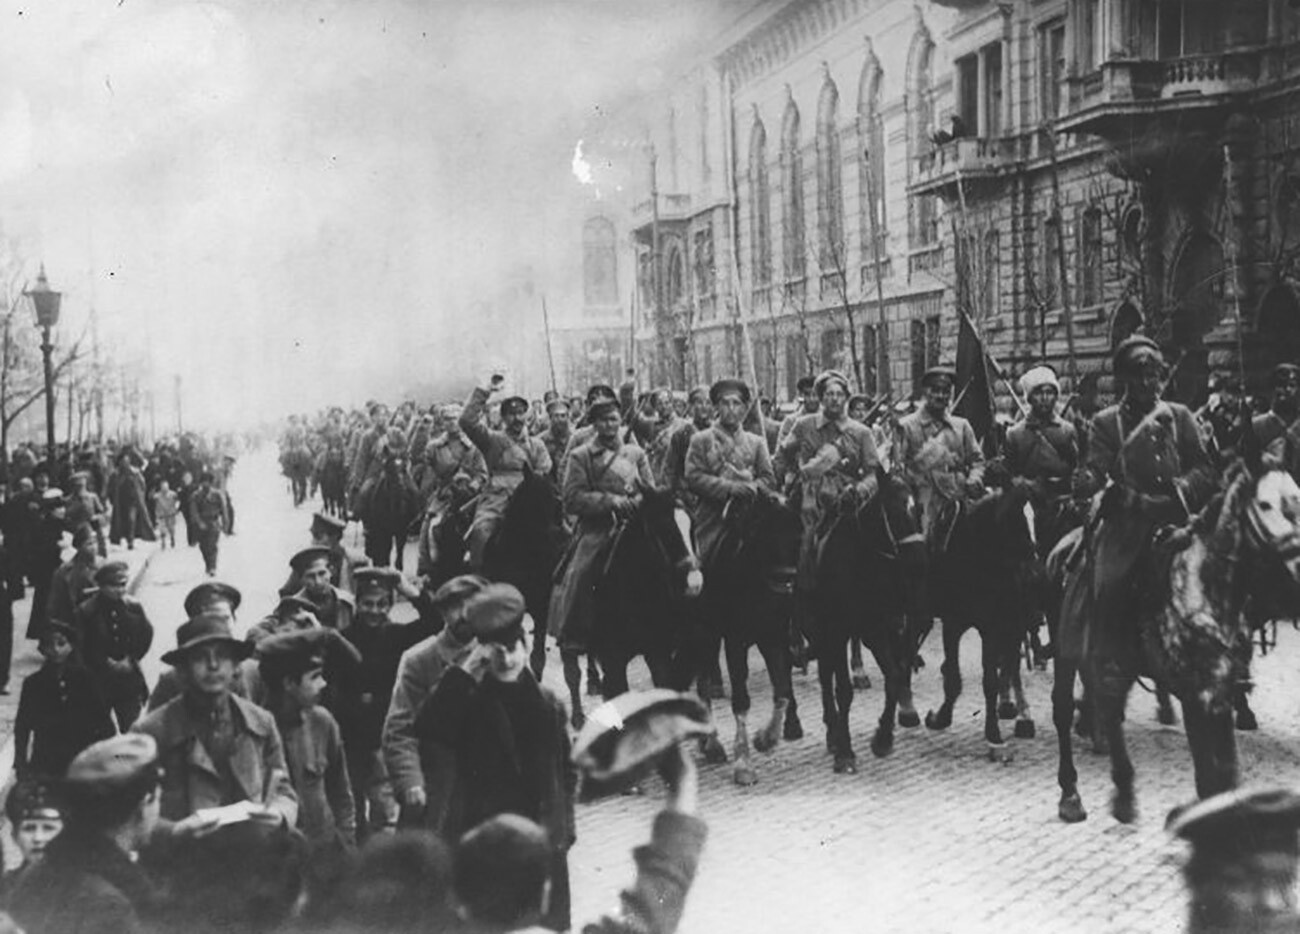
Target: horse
[1191, 622]
[442, 539]
[868, 572]
[525, 549]
[296, 464]
[387, 504]
[748, 600]
[982, 580]
[332, 471]
[650, 573]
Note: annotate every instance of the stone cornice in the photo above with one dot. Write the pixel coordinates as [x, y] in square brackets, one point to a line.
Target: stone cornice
[782, 37]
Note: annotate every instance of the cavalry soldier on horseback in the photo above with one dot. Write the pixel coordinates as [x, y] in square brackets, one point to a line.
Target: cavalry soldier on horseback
[1278, 429]
[602, 481]
[505, 451]
[725, 462]
[1151, 454]
[700, 412]
[452, 474]
[558, 432]
[587, 430]
[836, 461]
[366, 452]
[1042, 451]
[657, 435]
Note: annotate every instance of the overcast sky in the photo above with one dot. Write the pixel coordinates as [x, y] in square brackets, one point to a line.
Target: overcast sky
[267, 197]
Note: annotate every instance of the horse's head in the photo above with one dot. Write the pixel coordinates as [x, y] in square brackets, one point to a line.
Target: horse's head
[667, 528]
[891, 521]
[535, 502]
[1271, 516]
[769, 529]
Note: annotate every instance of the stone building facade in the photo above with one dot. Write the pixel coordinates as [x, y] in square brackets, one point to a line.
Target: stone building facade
[836, 181]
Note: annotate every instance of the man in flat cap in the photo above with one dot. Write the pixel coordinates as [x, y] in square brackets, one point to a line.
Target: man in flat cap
[1278, 429]
[656, 433]
[938, 454]
[723, 463]
[88, 879]
[1151, 453]
[506, 452]
[603, 480]
[836, 461]
[700, 414]
[74, 580]
[209, 517]
[418, 672]
[508, 736]
[115, 635]
[558, 431]
[809, 402]
[215, 747]
[334, 606]
[585, 431]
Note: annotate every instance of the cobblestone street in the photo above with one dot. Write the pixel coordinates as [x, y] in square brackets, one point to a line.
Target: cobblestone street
[933, 838]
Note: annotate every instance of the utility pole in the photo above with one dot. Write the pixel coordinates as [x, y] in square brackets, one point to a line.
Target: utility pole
[657, 270]
[176, 388]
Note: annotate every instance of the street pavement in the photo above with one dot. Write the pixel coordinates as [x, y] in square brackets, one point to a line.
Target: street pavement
[934, 838]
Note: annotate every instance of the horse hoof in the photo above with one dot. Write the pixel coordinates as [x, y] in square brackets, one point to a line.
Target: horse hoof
[1007, 711]
[1071, 809]
[909, 718]
[846, 765]
[1025, 729]
[765, 740]
[744, 776]
[1123, 808]
[1166, 716]
[1246, 720]
[861, 682]
[1002, 753]
[714, 753]
[882, 744]
[793, 730]
[936, 721]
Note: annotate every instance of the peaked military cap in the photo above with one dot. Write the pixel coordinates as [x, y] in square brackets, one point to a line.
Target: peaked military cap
[724, 386]
[1132, 350]
[307, 556]
[495, 611]
[600, 391]
[370, 578]
[936, 373]
[112, 572]
[321, 523]
[112, 763]
[203, 594]
[511, 403]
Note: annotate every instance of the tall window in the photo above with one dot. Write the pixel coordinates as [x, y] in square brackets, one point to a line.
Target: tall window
[1091, 269]
[832, 348]
[793, 250]
[1051, 68]
[1091, 45]
[918, 352]
[702, 108]
[871, 170]
[979, 92]
[599, 263]
[924, 222]
[765, 364]
[1051, 253]
[796, 362]
[968, 92]
[991, 58]
[875, 359]
[830, 188]
[705, 271]
[760, 214]
[676, 276]
[992, 272]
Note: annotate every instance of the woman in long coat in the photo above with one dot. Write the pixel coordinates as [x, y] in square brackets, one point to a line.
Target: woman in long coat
[126, 490]
[601, 481]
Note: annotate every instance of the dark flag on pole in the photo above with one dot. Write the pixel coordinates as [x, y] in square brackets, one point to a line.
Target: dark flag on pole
[974, 386]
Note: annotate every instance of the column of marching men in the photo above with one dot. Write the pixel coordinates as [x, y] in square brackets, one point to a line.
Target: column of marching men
[304, 771]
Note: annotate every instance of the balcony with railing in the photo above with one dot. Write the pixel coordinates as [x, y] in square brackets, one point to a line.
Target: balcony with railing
[671, 208]
[966, 159]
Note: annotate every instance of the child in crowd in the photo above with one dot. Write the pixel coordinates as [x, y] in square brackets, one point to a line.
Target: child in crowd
[35, 818]
[60, 710]
[166, 506]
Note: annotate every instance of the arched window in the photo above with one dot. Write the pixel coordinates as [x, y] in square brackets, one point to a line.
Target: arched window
[871, 165]
[793, 250]
[676, 276]
[599, 263]
[760, 214]
[830, 187]
[924, 229]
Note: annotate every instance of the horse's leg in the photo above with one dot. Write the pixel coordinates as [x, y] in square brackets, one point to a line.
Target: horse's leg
[861, 681]
[1070, 809]
[826, 679]
[1164, 706]
[710, 746]
[737, 653]
[573, 680]
[908, 643]
[1025, 728]
[1007, 709]
[1213, 742]
[593, 676]
[951, 669]
[776, 656]
[893, 671]
[993, 658]
[614, 666]
[537, 658]
[1110, 689]
[846, 760]
[1246, 719]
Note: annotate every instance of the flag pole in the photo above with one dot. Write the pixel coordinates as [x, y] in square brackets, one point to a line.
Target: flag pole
[550, 357]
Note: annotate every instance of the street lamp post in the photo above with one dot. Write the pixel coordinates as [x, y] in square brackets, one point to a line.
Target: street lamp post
[46, 302]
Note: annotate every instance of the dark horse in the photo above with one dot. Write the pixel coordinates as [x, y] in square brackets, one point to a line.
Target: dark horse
[983, 580]
[386, 505]
[332, 474]
[1190, 625]
[296, 464]
[650, 572]
[748, 600]
[868, 577]
[525, 549]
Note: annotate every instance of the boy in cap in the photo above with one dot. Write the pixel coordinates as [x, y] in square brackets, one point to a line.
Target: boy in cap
[88, 879]
[86, 508]
[334, 607]
[508, 738]
[363, 697]
[74, 580]
[115, 635]
[35, 816]
[506, 452]
[216, 748]
[60, 709]
[420, 669]
[166, 506]
[292, 668]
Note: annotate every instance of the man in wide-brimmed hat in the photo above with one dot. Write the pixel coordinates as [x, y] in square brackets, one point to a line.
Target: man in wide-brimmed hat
[507, 452]
[215, 747]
